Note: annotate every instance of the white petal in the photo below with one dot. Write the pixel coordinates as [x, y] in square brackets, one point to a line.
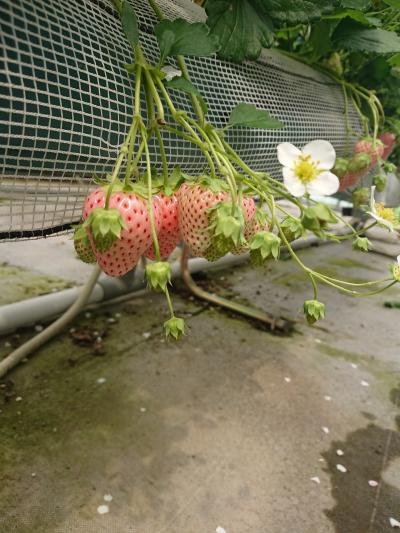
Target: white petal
[372, 201]
[288, 154]
[324, 184]
[322, 153]
[292, 183]
[398, 259]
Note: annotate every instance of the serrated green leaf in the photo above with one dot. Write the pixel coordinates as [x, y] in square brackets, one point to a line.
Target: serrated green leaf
[354, 36]
[241, 29]
[356, 15]
[179, 37]
[394, 61]
[294, 11]
[180, 83]
[129, 23]
[320, 37]
[248, 115]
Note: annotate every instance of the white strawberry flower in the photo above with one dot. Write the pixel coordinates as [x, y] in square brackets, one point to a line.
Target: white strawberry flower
[308, 170]
[385, 216]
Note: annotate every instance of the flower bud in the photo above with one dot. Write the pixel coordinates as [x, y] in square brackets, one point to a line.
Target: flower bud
[313, 310]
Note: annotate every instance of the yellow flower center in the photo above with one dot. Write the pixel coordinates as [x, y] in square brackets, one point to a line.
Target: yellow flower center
[305, 169]
[385, 212]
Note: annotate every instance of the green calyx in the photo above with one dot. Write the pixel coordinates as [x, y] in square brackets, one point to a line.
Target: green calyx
[226, 227]
[174, 327]
[158, 275]
[359, 162]
[105, 225]
[317, 217]
[292, 228]
[341, 167]
[395, 269]
[313, 310]
[263, 245]
[380, 182]
[362, 244]
[360, 196]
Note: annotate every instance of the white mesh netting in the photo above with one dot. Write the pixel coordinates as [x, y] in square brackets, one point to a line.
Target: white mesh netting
[66, 103]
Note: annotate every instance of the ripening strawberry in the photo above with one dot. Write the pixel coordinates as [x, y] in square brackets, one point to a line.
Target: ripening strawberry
[83, 246]
[350, 179]
[374, 150]
[389, 141]
[135, 230]
[255, 221]
[169, 234]
[194, 202]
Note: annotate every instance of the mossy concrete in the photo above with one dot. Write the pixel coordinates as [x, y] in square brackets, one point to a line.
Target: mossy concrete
[221, 429]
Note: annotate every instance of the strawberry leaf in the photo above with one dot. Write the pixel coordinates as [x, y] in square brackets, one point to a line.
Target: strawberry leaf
[354, 36]
[248, 115]
[179, 37]
[129, 23]
[180, 83]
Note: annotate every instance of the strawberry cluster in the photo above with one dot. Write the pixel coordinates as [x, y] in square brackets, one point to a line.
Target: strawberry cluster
[200, 213]
[367, 154]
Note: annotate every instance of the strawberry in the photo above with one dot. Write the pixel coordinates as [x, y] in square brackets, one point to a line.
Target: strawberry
[129, 242]
[350, 179]
[357, 167]
[389, 141]
[255, 221]
[195, 200]
[374, 150]
[83, 247]
[169, 234]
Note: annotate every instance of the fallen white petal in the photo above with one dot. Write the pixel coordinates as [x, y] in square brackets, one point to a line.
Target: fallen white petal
[394, 522]
[288, 380]
[316, 480]
[101, 380]
[103, 509]
[328, 398]
[171, 72]
[364, 383]
[108, 498]
[220, 530]
[325, 429]
[372, 483]
[353, 365]
[341, 468]
[143, 409]
[146, 334]
[339, 452]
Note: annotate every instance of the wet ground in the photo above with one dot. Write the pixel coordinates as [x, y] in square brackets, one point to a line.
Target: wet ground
[232, 428]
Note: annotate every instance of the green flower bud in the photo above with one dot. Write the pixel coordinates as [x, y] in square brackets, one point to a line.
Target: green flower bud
[362, 244]
[158, 275]
[380, 182]
[313, 310]
[341, 166]
[361, 196]
[263, 245]
[174, 327]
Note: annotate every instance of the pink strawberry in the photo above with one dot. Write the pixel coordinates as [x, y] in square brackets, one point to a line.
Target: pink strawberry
[135, 236]
[194, 202]
[374, 150]
[255, 221]
[389, 141]
[83, 246]
[169, 234]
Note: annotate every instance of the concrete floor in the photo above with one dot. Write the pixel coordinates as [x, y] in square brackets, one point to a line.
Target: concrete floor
[231, 428]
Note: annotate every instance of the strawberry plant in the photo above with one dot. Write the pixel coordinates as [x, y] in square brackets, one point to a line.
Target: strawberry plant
[230, 208]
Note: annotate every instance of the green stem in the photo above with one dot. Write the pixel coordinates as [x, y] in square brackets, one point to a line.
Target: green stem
[150, 197]
[163, 156]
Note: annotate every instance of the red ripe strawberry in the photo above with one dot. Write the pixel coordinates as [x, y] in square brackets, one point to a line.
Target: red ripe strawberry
[169, 234]
[194, 202]
[135, 236]
[389, 141]
[367, 146]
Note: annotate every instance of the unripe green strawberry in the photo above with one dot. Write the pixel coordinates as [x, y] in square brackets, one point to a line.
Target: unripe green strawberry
[83, 247]
[341, 167]
[292, 228]
[360, 161]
